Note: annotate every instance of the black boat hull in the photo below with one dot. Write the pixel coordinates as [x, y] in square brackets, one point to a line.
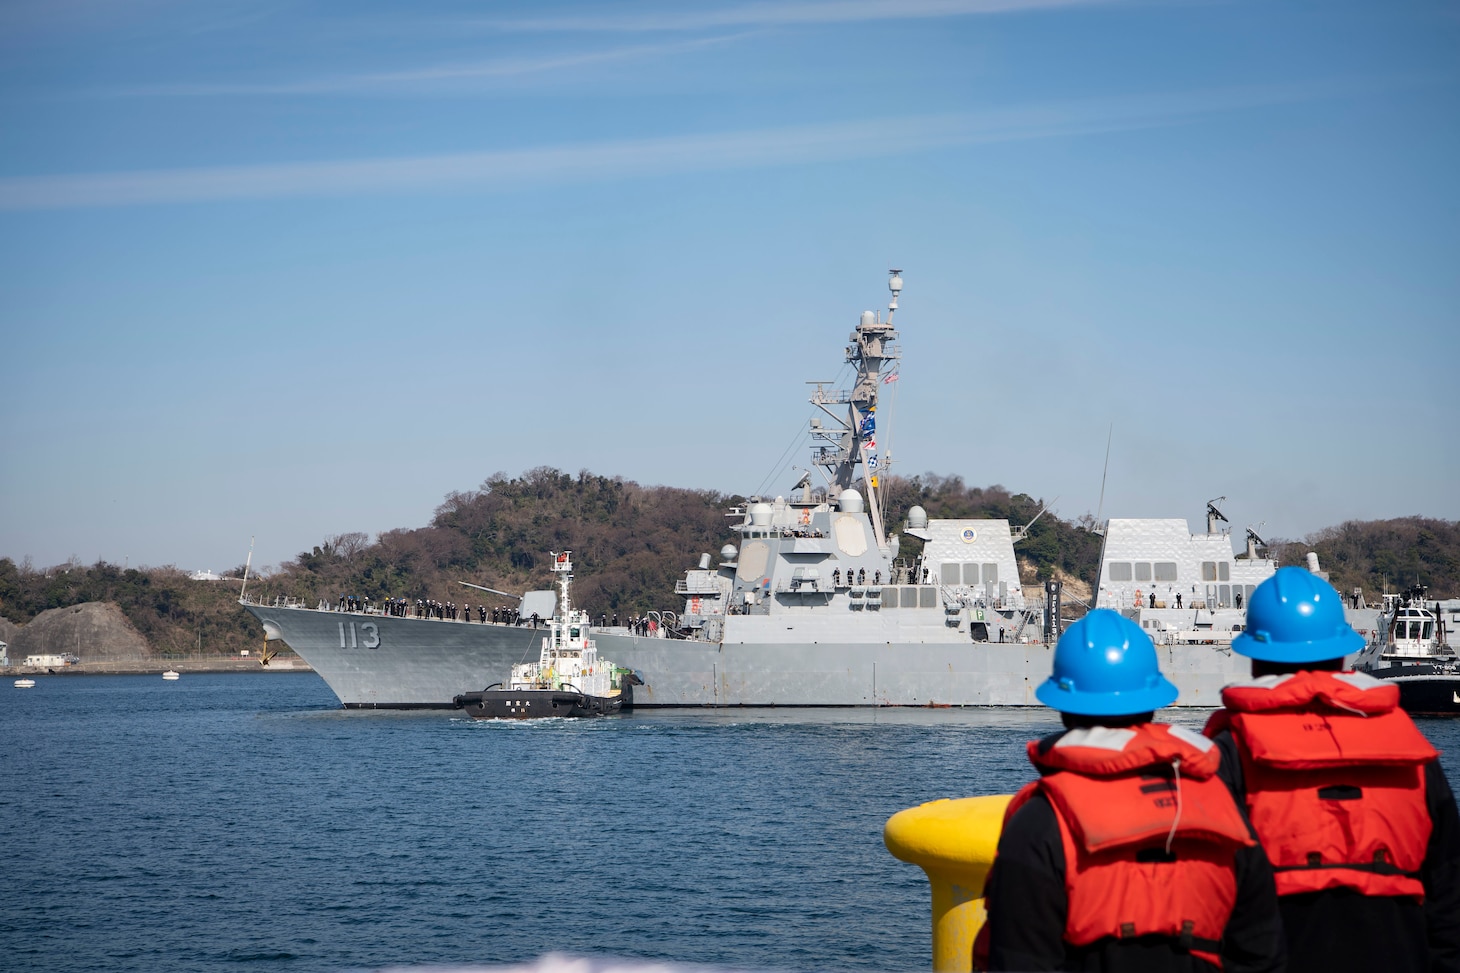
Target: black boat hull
[1424, 690]
[527, 704]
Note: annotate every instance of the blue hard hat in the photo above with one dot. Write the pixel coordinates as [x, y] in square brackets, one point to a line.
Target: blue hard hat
[1296, 616]
[1104, 665]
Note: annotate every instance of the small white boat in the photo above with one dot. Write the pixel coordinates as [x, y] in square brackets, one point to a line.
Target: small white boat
[25, 684]
[170, 674]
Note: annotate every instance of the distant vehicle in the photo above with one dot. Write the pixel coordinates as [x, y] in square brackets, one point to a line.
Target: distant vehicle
[53, 661]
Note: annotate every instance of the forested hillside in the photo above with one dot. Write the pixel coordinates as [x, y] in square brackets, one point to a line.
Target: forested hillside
[1380, 555]
[630, 544]
[173, 613]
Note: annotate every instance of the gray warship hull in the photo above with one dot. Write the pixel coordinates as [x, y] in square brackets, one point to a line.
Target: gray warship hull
[426, 663]
[783, 673]
[390, 662]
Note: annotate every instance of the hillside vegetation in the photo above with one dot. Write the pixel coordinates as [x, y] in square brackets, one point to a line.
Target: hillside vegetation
[630, 544]
[175, 615]
[1385, 555]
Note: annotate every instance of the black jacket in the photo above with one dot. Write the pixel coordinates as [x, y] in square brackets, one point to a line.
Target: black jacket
[1027, 908]
[1339, 929]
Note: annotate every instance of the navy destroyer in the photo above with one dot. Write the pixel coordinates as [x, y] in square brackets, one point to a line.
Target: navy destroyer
[813, 604]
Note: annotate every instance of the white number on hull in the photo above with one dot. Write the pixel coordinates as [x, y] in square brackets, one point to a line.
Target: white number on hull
[370, 630]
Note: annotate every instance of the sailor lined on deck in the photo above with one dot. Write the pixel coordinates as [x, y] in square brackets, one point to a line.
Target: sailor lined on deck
[1128, 853]
[1344, 792]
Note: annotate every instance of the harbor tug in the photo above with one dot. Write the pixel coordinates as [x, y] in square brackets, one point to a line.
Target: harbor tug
[1413, 651]
[568, 679]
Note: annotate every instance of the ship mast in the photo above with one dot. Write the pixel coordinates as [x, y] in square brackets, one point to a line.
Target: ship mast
[563, 568]
[559, 624]
[852, 439]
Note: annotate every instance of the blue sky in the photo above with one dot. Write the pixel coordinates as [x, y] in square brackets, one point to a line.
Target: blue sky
[285, 270]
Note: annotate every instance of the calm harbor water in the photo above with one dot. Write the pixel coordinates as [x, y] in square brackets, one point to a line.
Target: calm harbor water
[245, 822]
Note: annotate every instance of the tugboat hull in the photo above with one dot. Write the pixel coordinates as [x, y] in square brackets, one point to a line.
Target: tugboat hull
[1425, 690]
[526, 704]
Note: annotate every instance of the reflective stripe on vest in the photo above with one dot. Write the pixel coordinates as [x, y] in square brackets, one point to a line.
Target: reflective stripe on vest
[1334, 774]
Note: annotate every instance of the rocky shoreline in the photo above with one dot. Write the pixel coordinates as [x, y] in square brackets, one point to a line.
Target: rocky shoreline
[132, 667]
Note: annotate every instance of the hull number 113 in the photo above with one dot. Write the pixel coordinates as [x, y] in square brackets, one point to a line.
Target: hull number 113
[367, 638]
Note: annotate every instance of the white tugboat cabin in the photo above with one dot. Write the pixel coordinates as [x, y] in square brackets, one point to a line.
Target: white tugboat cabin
[568, 679]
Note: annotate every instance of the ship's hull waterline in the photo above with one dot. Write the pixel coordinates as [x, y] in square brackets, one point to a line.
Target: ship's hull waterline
[426, 663]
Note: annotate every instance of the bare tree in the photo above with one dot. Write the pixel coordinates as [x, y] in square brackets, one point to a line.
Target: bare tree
[348, 545]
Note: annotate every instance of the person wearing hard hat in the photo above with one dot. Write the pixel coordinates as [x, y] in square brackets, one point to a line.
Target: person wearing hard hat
[1344, 791]
[1128, 852]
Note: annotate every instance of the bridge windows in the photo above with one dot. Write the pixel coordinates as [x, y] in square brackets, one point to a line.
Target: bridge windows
[910, 596]
[1148, 571]
[971, 574]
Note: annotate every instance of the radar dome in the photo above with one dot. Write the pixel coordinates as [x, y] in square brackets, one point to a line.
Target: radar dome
[760, 515]
[850, 502]
[917, 518]
[869, 317]
[728, 552]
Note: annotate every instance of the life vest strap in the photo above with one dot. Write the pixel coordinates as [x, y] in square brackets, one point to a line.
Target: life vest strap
[1383, 867]
[1186, 939]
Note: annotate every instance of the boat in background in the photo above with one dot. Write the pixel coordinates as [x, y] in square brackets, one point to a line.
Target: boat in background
[170, 674]
[25, 684]
[568, 679]
[1413, 651]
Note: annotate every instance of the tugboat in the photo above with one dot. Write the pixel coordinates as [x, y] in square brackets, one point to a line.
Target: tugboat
[1415, 653]
[567, 680]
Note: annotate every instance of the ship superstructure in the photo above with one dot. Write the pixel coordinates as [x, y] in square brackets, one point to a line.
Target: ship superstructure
[813, 604]
[1177, 585]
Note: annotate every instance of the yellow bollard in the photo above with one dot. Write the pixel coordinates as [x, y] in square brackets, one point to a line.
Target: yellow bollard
[954, 843]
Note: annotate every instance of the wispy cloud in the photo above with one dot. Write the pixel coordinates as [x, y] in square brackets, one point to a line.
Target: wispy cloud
[633, 158]
[427, 77]
[772, 14]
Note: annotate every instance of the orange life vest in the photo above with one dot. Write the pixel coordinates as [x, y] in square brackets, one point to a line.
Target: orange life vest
[1149, 834]
[1335, 775]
